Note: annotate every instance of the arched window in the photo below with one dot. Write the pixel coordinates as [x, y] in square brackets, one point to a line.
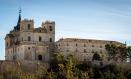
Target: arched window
[50, 27]
[29, 38]
[50, 39]
[28, 48]
[29, 26]
[40, 39]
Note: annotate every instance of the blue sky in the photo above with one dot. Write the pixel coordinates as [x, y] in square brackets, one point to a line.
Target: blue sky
[89, 19]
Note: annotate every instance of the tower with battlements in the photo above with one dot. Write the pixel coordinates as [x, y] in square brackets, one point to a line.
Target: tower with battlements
[25, 42]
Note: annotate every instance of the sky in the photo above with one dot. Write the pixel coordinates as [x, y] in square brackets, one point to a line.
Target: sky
[86, 19]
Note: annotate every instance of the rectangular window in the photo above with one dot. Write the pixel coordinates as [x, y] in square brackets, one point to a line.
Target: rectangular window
[84, 45]
[76, 45]
[50, 28]
[40, 39]
[50, 39]
[29, 26]
[29, 38]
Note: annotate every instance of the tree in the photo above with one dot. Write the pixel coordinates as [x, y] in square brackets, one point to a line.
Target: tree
[123, 52]
[70, 65]
[83, 75]
[129, 53]
[128, 74]
[57, 58]
[116, 52]
[112, 50]
[1, 76]
[41, 71]
[120, 76]
[96, 56]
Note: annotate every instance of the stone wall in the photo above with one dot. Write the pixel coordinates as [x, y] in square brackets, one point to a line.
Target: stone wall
[83, 48]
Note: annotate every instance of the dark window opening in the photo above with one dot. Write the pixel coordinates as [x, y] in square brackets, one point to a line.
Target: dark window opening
[84, 45]
[96, 56]
[76, 45]
[14, 57]
[28, 48]
[40, 57]
[111, 42]
[50, 39]
[28, 26]
[67, 50]
[92, 51]
[67, 44]
[84, 50]
[50, 28]
[40, 39]
[29, 38]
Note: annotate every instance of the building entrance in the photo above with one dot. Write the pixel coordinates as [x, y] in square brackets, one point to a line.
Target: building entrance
[40, 57]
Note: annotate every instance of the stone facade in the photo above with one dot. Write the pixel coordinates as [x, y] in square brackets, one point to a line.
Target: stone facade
[83, 48]
[25, 42]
